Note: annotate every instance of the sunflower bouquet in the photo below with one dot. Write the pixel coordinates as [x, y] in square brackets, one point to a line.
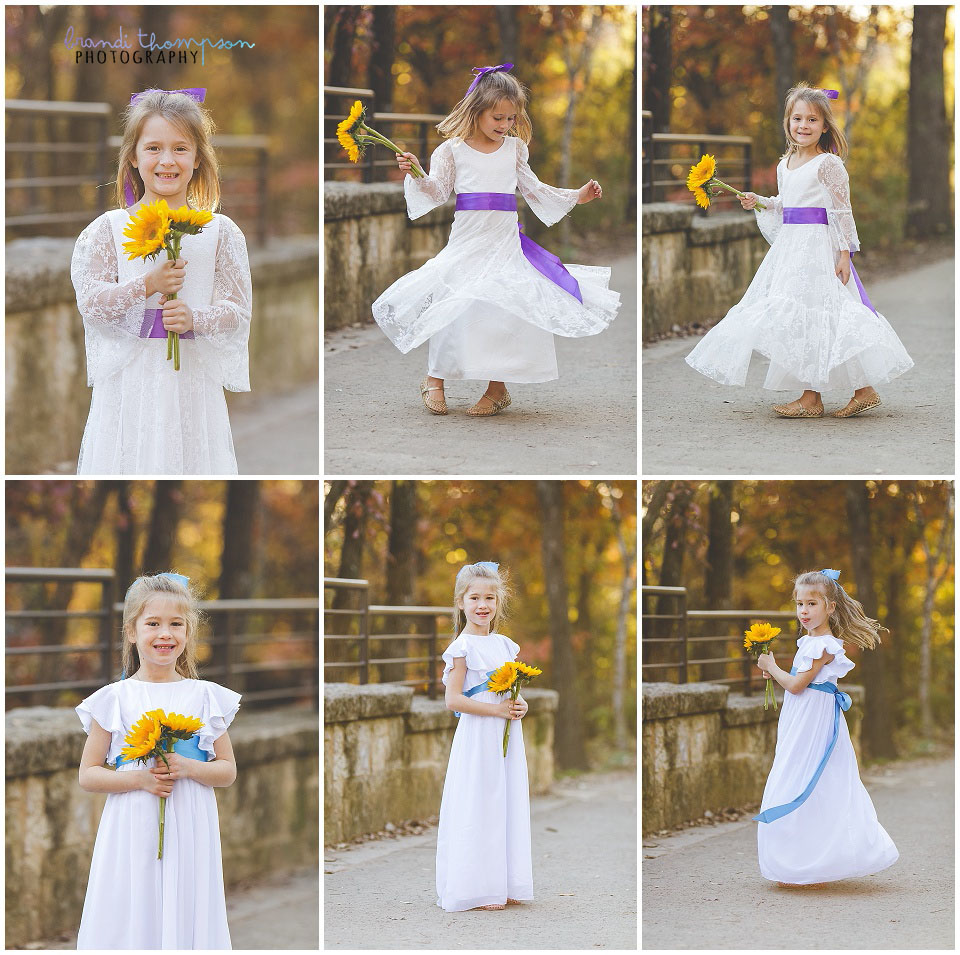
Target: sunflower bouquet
[705, 186]
[508, 678]
[156, 227]
[757, 640]
[153, 735]
[355, 135]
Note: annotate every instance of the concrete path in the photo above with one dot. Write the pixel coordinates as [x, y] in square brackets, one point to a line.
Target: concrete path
[382, 895]
[692, 425]
[277, 914]
[584, 423]
[702, 887]
[277, 434]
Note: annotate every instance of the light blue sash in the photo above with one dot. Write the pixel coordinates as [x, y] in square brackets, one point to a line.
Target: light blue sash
[843, 703]
[474, 690]
[185, 747]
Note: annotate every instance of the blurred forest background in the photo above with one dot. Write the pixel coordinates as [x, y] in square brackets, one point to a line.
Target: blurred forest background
[233, 539]
[269, 90]
[579, 63]
[726, 70]
[739, 544]
[569, 549]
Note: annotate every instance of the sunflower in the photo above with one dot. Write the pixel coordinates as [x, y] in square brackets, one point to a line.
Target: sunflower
[143, 738]
[346, 128]
[181, 726]
[147, 230]
[701, 173]
[703, 200]
[502, 679]
[761, 633]
[528, 671]
[189, 221]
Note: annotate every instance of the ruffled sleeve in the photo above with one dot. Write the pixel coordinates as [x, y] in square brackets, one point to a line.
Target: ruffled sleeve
[104, 707]
[770, 219]
[220, 706]
[813, 648]
[514, 648]
[112, 311]
[548, 203]
[434, 190]
[832, 175]
[222, 328]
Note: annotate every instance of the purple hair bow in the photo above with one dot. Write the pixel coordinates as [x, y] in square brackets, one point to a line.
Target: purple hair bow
[831, 94]
[482, 71]
[197, 93]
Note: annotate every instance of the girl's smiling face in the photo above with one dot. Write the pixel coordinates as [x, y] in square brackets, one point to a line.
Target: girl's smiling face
[479, 605]
[165, 158]
[160, 633]
[813, 611]
[496, 122]
[806, 124]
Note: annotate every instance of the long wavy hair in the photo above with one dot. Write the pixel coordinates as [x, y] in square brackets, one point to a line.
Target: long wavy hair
[832, 139]
[848, 621]
[465, 576]
[141, 590]
[191, 119]
[464, 119]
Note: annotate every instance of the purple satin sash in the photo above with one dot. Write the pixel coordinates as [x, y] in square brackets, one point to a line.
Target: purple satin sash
[543, 261]
[152, 326]
[813, 215]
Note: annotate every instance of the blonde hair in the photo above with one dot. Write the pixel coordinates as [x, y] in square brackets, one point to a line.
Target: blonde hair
[832, 139]
[848, 621]
[484, 571]
[141, 590]
[203, 190]
[464, 120]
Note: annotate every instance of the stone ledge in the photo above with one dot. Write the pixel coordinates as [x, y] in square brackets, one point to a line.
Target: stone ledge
[666, 217]
[723, 228]
[665, 700]
[45, 739]
[343, 702]
[353, 200]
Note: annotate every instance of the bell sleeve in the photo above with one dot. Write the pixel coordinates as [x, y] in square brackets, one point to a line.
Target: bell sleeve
[112, 311]
[548, 203]
[832, 175]
[104, 707]
[222, 328]
[814, 647]
[770, 220]
[220, 706]
[427, 193]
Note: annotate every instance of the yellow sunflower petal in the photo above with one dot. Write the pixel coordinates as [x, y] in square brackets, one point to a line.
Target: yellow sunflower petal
[702, 172]
[703, 200]
[503, 678]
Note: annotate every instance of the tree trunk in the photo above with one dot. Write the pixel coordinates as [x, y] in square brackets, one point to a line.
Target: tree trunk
[123, 561]
[627, 586]
[157, 555]
[331, 500]
[877, 726]
[341, 22]
[656, 88]
[781, 35]
[569, 745]
[383, 48]
[507, 22]
[401, 579]
[654, 509]
[928, 136]
[241, 531]
[357, 499]
[718, 574]
[630, 211]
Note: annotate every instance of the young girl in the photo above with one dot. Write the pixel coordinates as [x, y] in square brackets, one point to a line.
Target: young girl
[134, 900]
[492, 300]
[801, 311]
[817, 823]
[145, 417]
[483, 844]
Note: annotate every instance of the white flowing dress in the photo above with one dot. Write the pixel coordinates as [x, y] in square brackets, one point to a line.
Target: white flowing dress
[488, 313]
[835, 833]
[797, 312]
[483, 843]
[145, 417]
[134, 900]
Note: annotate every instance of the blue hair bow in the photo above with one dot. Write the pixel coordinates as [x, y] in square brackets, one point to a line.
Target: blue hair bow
[832, 574]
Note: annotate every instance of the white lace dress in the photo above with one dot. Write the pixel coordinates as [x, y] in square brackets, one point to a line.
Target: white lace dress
[797, 312]
[483, 841]
[145, 417]
[835, 833]
[134, 900]
[488, 313]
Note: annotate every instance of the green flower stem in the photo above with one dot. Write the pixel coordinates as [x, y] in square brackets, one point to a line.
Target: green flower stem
[723, 185]
[173, 339]
[163, 801]
[514, 693]
[383, 141]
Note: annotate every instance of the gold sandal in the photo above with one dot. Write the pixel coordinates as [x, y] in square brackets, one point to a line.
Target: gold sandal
[498, 405]
[434, 407]
[790, 411]
[857, 406]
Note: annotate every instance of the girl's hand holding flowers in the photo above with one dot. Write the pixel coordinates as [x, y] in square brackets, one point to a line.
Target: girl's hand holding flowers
[177, 316]
[155, 782]
[179, 768]
[766, 662]
[843, 267]
[406, 162]
[748, 200]
[589, 191]
[168, 277]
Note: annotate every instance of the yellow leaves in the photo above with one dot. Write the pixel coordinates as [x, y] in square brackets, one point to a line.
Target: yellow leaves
[759, 633]
[147, 230]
